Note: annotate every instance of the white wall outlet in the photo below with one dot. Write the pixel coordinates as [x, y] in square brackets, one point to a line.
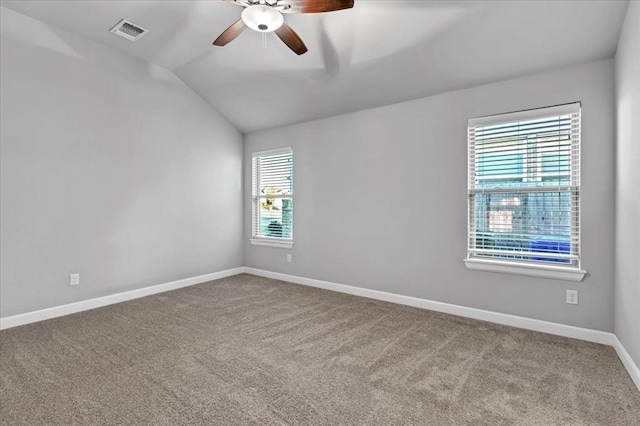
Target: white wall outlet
[289, 257]
[572, 297]
[74, 279]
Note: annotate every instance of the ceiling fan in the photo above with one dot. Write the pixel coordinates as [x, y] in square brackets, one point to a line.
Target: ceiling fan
[265, 16]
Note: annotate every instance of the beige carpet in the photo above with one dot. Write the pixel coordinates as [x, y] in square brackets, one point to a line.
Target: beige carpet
[249, 350]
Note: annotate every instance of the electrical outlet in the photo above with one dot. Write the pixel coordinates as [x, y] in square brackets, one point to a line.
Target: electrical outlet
[572, 297]
[74, 279]
[289, 257]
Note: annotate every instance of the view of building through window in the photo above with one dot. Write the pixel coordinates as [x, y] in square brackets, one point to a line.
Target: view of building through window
[275, 217]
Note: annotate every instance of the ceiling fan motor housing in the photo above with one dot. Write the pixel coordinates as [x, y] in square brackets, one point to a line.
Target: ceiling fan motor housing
[262, 18]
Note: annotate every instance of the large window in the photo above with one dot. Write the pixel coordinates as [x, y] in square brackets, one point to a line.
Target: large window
[272, 197]
[524, 190]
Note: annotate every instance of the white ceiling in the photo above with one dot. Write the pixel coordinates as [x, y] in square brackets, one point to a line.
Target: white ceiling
[378, 53]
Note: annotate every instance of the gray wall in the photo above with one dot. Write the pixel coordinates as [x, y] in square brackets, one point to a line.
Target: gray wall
[380, 198]
[627, 289]
[111, 168]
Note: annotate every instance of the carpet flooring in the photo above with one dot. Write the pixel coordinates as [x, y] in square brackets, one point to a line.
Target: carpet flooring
[250, 350]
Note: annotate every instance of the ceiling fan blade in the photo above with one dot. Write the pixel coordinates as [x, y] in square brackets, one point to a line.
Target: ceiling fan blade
[316, 6]
[230, 33]
[243, 3]
[291, 39]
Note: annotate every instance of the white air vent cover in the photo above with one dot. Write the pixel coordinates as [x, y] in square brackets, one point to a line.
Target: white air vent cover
[128, 30]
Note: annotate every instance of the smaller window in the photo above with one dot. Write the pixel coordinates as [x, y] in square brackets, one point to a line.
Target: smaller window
[272, 198]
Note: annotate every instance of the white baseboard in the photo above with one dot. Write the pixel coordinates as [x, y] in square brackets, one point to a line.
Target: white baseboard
[628, 363]
[463, 311]
[85, 305]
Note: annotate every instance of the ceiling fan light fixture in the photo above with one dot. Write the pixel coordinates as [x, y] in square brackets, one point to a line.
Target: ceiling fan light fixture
[262, 18]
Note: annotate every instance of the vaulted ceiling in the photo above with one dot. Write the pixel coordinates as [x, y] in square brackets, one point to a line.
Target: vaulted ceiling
[378, 53]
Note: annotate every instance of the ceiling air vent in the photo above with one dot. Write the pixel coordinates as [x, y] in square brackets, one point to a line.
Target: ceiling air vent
[128, 30]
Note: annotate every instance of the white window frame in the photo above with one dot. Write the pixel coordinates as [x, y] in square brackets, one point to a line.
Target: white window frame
[255, 203]
[528, 268]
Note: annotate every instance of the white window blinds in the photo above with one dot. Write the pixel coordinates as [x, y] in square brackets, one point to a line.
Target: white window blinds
[272, 195]
[524, 187]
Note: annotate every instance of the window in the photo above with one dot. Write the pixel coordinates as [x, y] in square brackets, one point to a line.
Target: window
[272, 198]
[524, 192]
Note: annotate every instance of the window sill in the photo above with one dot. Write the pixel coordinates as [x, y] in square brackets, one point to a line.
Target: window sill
[271, 242]
[541, 271]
